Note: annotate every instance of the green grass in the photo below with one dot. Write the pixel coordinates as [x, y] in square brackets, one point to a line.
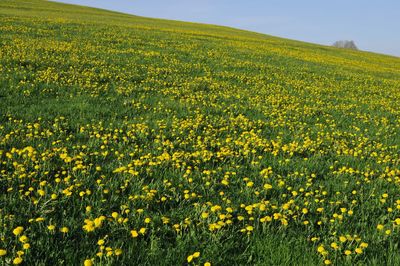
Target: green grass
[146, 118]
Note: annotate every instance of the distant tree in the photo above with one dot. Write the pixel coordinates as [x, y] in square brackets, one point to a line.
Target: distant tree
[345, 44]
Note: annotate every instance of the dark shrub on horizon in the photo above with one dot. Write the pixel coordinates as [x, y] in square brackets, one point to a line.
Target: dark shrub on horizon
[345, 44]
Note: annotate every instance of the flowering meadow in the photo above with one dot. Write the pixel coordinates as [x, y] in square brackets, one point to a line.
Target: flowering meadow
[133, 141]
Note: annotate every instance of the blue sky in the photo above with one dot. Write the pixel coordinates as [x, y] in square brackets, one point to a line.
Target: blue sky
[374, 25]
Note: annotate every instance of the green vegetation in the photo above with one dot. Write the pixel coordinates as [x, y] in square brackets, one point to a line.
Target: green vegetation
[133, 141]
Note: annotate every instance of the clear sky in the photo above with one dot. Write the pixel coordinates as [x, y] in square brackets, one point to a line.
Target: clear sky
[374, 25]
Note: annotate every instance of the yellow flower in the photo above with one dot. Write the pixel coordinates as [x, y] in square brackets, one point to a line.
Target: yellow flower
[64, 230]
[196, 254]
[342, 239]
[249, 228]
[89, 226]
[358, 250]
[225, 182]
[347, 252]
[379, 227]
[51, 227]
[18, 230]
[327, 262]
[26, 246]
[142, 230]
[207, 264]
[98, 221]
[23, 239]
[334, 245]
[88, 262]
[190, 258]
[363, 245]
[321, 249]
[3, 252]
[134, 233]
[267, 186]
[17, 260]
[118, 251]
[147, 220]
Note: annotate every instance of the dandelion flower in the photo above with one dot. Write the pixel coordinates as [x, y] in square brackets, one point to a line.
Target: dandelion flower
[3, 252]
[17, 260]
[134, 233]
[88, 262]
[17, 231]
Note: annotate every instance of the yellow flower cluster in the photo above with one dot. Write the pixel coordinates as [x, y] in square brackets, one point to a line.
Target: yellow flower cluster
[126, 140]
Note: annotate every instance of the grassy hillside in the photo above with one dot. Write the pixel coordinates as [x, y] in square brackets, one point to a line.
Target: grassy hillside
[133, 141]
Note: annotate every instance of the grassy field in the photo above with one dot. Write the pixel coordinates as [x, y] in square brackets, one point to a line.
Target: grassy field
[133, 141]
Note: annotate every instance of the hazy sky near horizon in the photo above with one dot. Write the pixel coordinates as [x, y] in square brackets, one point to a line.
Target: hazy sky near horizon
[374, 25]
